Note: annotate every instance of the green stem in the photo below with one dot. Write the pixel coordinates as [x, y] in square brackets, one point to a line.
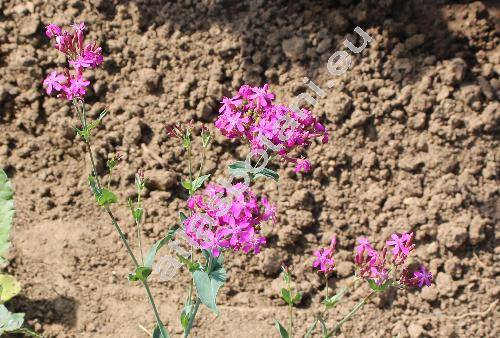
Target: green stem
[120, 232]
[290, 309]
[191, 319]
[163, 331]
[352, 313]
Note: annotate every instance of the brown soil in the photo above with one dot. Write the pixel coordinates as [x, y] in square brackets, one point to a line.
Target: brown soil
[415, 126]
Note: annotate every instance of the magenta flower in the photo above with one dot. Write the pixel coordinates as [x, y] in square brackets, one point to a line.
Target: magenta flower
[302, 165]
[54, 81]
[324, 260]
[423, 277]
[251, 115]
[399, 244]
[52, 30]
[78, 85]
[228, 221]
[228, 105]
[364, 245]
[81, 62]
[262, 96]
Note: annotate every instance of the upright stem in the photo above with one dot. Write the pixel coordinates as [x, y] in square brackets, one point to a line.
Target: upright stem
[326, 284]
[163, 331]
[191, 319]
[290, 309]
[352, 313]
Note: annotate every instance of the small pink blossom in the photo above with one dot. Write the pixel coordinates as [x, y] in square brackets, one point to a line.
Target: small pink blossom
[324, 260]
[423, 276]
[399, 244]
[78, 85]
[302, 165]
[54, 81]
[52, 30]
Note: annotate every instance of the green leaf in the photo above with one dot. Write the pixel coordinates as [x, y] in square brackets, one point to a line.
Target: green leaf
[187, 185]
[106, 197]
[333, 300]
[141, 273]
[198, 183]
[6, 213]
[9, 287]
[186, 315]
[285, 294]
[102, 196]
[157, 332]
[283, 332]
[311, 329]
[240, 166]
[208, 286]
[10, 321]
[324, 329]
[182, 216]
[297, 298]
[150, 256]
[192, 266]
[379, 288]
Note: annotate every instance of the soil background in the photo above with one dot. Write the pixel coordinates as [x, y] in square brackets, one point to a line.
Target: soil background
[414, 146]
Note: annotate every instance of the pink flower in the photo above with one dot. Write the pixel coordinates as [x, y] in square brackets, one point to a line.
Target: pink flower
[423, 276]
[228, 105]
[93, 54]
[262, 96]
[228, 221]
[54, 81]
[253, 116]
[364, 245]
[302, 165]
[324, 260]
[80, 63]
[78, 85]
[399, 244]
[52, 30]
[79, 29]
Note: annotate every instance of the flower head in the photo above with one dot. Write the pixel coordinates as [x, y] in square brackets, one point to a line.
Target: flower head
[221, 220]
[54, 81]
[423, 276]
[52, 30]
[324, 260]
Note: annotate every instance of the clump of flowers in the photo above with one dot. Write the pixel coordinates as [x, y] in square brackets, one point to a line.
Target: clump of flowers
[219, 223]
[252, 115]
[70, 83]
[386, 269]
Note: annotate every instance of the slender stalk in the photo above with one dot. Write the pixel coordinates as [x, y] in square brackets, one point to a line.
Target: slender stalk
[119, 230]
[155, 310]
[138, 225]
[290, 308]
[326, 284]
[352, 313]
[191, 319]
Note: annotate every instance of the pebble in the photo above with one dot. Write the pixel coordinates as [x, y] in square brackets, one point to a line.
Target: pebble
[294, 48]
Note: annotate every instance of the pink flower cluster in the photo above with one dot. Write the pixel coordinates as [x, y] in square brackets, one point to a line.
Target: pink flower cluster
[253, 116]
[375, 265]
[324, 261]
[220, 221]
[70, 83]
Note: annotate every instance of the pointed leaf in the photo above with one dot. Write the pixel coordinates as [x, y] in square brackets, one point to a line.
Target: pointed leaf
[283, 332]
[10, 321]
[198, 183]
[311, 329]
[150, 256]
[106, 197]
[324, 329]
[157, 332]
[9, 287]
[379, 288]
[332, 301]
[285, 294]
[297, 298]
[208, 286]
[141, 273]
[6, 213]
